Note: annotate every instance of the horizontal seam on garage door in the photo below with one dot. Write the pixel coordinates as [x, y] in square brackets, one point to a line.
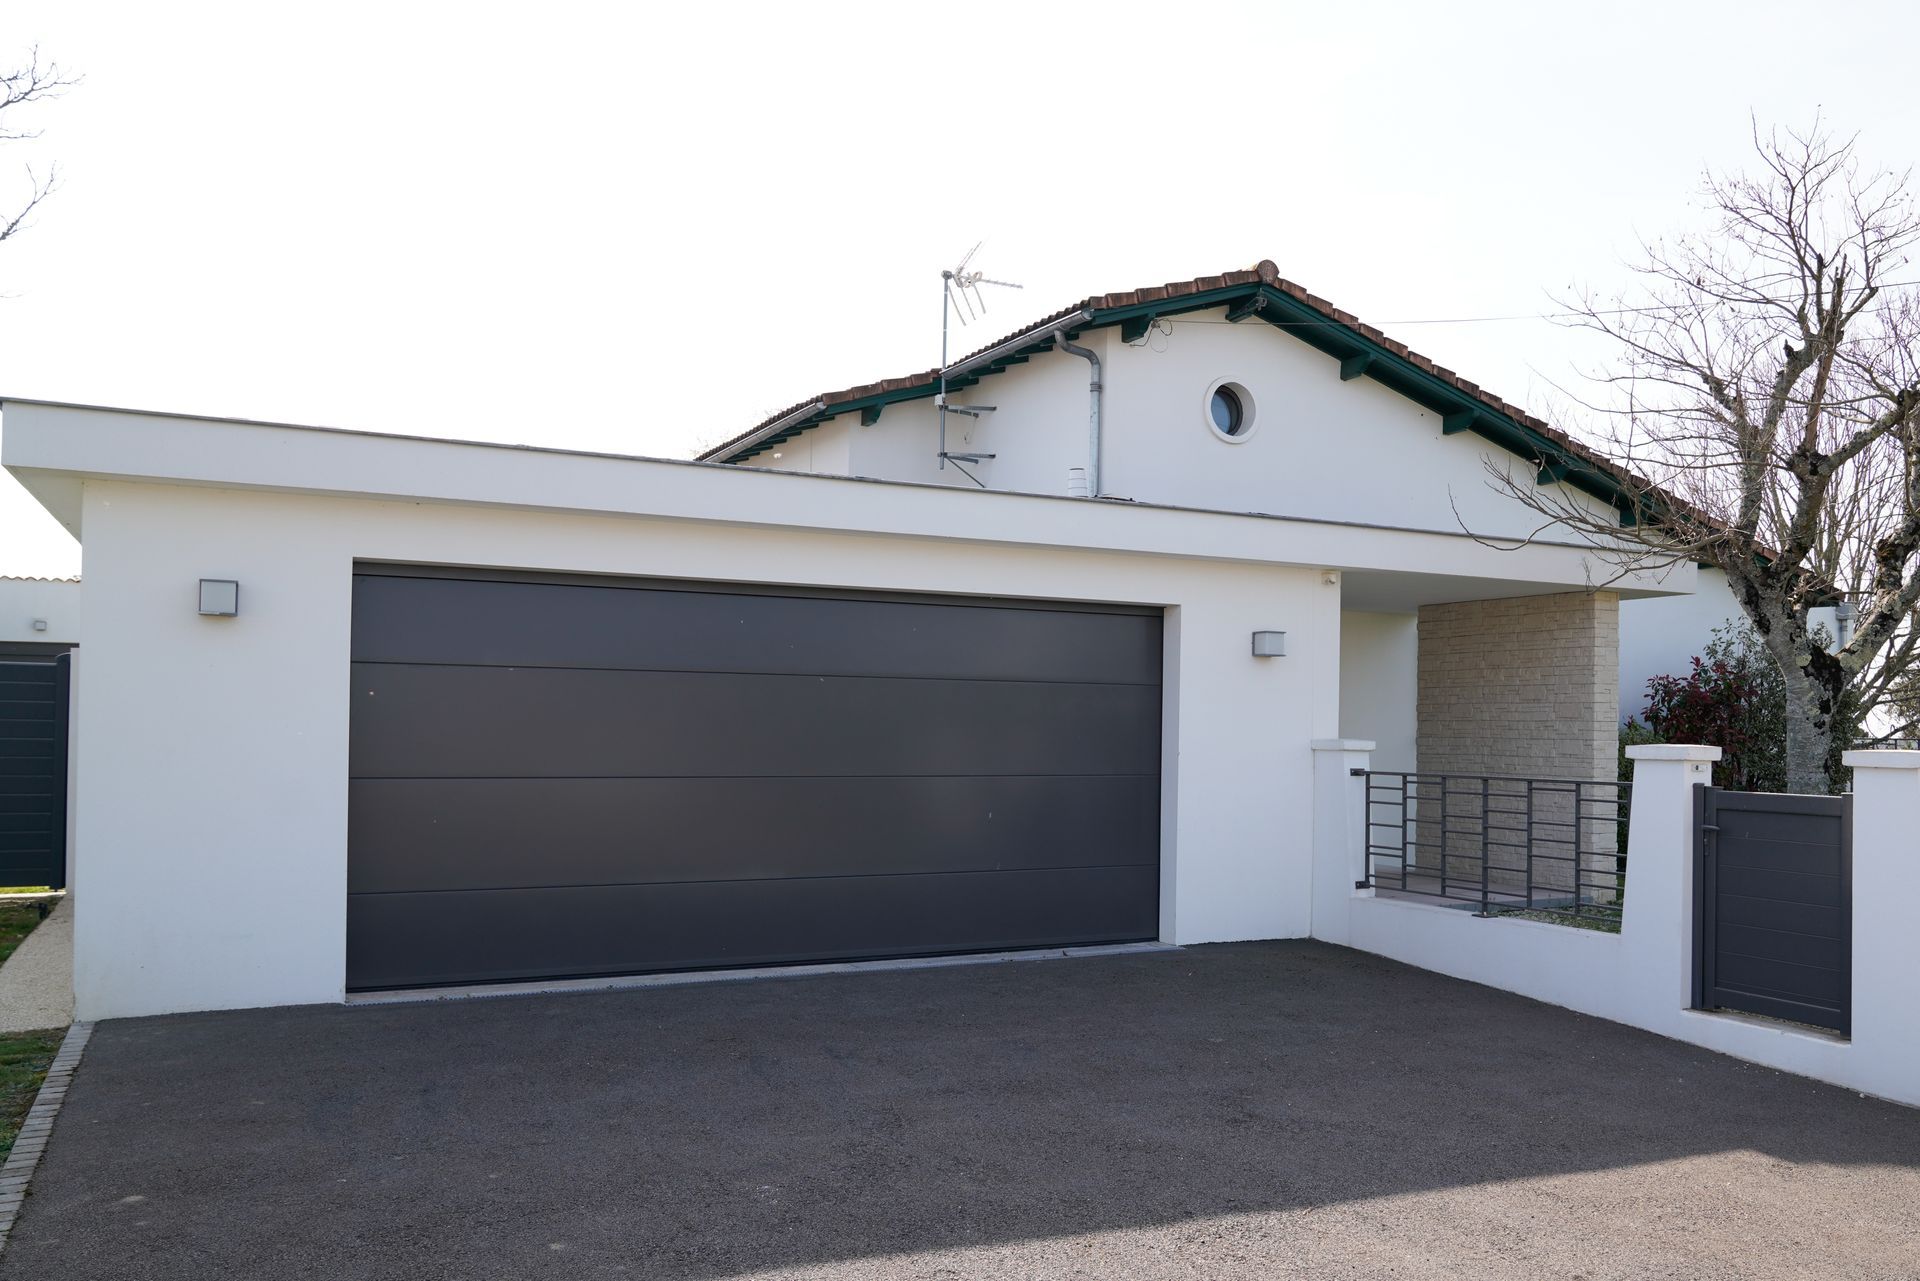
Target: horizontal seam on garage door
[729, 671]
[589, 778]
[752, 880]
[780, 591]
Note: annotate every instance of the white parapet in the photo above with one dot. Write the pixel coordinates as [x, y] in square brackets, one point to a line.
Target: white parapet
[1339, 831]
[1886, 947]
[1644, 975]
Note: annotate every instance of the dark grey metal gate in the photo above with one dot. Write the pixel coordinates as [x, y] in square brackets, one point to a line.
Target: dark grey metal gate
[570, 776]
[1773, 906]
[33, 770]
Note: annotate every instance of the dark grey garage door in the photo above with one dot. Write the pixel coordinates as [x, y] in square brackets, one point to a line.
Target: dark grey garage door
[600, 776]
[33, 768]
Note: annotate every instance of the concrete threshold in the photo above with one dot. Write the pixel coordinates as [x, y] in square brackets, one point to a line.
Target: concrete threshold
[538, 987]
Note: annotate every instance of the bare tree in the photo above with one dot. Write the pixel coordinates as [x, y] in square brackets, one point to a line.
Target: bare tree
[1766, 407]
[21, 87]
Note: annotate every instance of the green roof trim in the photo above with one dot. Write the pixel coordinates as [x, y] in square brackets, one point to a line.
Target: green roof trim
[1358, 356]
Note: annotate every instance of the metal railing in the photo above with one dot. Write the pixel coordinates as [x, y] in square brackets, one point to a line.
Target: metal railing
[1501, 844]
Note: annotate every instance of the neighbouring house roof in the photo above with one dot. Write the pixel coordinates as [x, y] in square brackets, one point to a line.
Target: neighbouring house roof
[34, 578]
[1260, 293]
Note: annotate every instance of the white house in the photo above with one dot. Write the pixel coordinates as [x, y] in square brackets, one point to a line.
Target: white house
[368, 712]
[1181, 395]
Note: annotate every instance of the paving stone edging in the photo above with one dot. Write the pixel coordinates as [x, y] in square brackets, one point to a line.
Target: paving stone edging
[32, 1140]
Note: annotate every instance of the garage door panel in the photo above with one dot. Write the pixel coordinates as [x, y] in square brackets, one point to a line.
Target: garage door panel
[578, 777]
[409, 940]
[531, 624]
[477, 722]
[464, 834]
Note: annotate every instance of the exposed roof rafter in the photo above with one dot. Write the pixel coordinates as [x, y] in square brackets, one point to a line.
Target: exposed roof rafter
[1360, 349]
[1252, 305]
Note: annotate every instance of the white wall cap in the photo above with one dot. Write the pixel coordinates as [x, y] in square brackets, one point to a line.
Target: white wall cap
[1880, 758]
[1343, 745]
[1672, 752]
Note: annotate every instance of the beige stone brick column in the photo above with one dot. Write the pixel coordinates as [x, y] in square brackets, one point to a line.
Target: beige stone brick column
[1524, 686]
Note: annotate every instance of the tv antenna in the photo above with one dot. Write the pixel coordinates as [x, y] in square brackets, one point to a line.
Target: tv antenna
[960, 292]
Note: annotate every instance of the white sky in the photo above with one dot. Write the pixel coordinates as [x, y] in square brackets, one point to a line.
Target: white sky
[641, 228]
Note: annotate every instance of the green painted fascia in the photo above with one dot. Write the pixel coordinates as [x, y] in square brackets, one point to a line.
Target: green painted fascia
[1336, 340]
[879, 400]
[1403, 376]
[1042, 339]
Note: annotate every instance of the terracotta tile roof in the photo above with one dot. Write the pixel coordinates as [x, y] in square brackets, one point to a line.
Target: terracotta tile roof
[1206, 291]
[1038, 328]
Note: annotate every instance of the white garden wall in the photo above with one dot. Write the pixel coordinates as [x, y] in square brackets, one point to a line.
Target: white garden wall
[1643, 975]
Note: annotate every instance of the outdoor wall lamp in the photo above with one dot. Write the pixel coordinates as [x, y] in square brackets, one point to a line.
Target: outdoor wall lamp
[1269, 644]
[219, 597]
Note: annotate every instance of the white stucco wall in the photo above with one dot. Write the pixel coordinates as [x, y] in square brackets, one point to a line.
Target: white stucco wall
[1320, 447]
[827, 449]
[1379, 684]
[214, 821]
[1037, 430]
[1660, 636]
[52, 600]
[211, 823]
[1643, 975]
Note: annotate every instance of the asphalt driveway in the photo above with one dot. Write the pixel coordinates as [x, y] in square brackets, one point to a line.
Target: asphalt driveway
[1257, 1110]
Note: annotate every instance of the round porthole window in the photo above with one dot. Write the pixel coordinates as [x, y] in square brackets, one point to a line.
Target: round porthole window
[1230, 411]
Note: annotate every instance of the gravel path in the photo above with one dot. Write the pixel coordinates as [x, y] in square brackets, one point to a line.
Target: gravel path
[36, 983]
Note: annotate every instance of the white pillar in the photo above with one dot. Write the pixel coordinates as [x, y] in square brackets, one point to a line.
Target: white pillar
[1886, 950]
[1656, 931]
[1339, 831]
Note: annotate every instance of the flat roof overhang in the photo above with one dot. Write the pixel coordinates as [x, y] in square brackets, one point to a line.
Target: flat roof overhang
[53, 449]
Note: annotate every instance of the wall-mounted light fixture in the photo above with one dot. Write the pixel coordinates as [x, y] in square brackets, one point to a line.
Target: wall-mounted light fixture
[1269, 644]
[39, 624]
[219, 597]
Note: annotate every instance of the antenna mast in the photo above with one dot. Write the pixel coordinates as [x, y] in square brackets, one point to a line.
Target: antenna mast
[961, 288]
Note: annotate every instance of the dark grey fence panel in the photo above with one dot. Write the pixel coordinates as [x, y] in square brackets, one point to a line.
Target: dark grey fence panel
[1500, 844]
[1773, 898]
[33, 771]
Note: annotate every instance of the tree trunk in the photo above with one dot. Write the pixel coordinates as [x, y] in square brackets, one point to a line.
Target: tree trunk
[1810, 727]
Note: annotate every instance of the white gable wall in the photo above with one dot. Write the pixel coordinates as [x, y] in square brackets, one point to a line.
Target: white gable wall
[1038, 429]
[1323, 448]
[827, 449]
[1320, 447]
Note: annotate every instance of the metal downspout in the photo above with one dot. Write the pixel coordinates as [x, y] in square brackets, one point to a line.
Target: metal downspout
[1093, 408]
